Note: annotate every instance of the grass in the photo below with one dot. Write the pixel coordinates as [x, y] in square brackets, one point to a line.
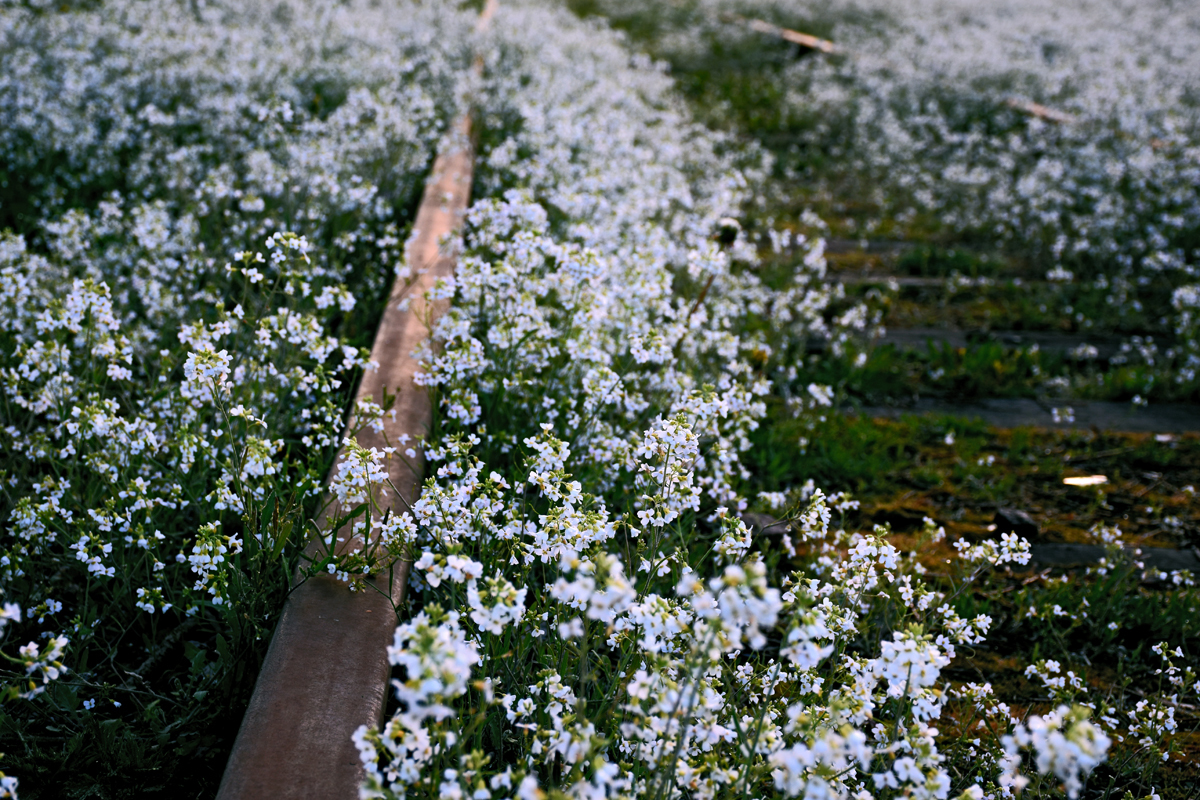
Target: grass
[958, 471]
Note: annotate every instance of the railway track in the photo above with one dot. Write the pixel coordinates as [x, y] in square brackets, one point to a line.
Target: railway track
[326, 672]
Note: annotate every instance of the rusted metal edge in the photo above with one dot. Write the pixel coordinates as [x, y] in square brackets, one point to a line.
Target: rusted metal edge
[787, 34]
[1040, 111]
[326, 670]
[795, 37]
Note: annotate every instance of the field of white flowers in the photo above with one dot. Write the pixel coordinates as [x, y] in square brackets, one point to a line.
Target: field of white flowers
[596, 618]
[202, 207]
[205, 205]
[923, 116]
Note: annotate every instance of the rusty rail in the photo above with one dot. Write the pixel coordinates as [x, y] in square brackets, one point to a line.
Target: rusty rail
[795, 37]
[806, 40]
[1040, 111]
[326, 670]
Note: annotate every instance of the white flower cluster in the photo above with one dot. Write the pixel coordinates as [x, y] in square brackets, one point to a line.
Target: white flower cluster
[595, 401]
[591, 615]
[359, 472]
[701, 686]
[42, 664]
[437, 660]
[925, 112]
[196, 203]
[1064, 743]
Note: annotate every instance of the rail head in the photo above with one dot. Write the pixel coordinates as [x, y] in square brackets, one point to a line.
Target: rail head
[326, 670]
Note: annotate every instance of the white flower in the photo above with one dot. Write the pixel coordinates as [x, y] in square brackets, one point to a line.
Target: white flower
[500, 606]
[822, 395]
[1064, 742]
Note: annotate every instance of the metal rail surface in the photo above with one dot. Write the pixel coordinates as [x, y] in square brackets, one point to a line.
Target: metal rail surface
[326, 670]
